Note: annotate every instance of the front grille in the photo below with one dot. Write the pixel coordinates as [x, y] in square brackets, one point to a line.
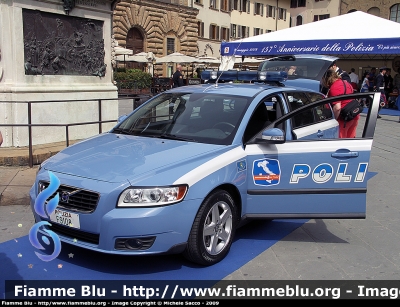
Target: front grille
[75, 233]
[73, 198]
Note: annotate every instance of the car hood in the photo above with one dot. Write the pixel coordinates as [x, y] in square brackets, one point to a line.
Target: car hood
[116, 158]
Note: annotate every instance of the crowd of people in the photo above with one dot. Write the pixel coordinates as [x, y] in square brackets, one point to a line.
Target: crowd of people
[372, 81]
[337, 82]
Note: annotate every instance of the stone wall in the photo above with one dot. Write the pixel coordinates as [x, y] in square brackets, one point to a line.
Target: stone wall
[383, 5]
[157, 20]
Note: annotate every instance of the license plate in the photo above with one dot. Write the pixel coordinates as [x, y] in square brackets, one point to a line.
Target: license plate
[65, 218]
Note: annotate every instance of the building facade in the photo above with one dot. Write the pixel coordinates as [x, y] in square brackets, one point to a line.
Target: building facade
[306, 11]
[213, 22]
[197, 27]
[160, 27]
[388, 9]
[194, 28]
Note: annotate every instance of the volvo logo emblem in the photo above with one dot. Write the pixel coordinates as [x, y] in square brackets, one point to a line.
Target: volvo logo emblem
[66, 195]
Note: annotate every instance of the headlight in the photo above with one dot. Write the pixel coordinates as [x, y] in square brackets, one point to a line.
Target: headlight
[151, 196]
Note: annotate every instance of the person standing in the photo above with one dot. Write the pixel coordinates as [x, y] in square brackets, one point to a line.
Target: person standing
[354, 79]
[337, 86]
[365, 85]
[371, 78]
[292, 70]
[343, 74]
[396, 81]
[365, 88]
[177, 77]
[379, 86]
[388, 83]
[340, 72]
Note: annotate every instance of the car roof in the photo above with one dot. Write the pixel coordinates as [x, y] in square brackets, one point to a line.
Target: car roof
[243, 89]
[237, 89]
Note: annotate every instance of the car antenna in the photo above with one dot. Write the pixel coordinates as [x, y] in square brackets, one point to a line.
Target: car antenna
[234, 53]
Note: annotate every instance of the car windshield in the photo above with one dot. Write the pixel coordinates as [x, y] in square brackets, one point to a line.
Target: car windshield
[195, 117]
[308, 68]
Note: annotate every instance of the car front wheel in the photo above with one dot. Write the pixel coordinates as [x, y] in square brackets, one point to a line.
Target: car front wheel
[213, 229]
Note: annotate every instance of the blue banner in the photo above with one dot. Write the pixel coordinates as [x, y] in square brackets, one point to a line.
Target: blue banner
[329, 46]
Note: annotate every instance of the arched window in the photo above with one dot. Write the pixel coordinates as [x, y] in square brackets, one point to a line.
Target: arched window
[135, 42]
[374, 11]
[395, 13]
[299, 20]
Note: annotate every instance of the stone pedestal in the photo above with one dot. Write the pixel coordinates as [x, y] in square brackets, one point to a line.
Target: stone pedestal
[60, 56]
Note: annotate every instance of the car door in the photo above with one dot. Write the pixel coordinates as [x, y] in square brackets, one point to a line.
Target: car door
[317, 122]
[316, 178]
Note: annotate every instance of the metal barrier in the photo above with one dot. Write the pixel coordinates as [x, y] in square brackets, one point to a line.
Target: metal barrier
[30, 124]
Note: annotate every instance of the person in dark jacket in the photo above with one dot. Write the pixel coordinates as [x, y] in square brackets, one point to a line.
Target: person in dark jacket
[343, 74]
[388, 83]
[379, 86]
[340, 72]
[371, 79]
[177, 77]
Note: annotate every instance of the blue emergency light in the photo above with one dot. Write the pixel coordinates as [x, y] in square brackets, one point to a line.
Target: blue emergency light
[235, 75]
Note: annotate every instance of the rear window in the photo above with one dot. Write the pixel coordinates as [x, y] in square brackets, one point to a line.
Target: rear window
[308, 68]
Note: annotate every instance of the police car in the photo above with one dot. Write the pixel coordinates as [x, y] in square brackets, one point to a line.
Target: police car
[184, 170]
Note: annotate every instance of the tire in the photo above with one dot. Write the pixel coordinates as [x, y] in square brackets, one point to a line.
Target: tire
[213, 229]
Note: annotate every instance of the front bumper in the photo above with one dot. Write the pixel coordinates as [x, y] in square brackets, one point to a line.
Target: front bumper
[100, 230]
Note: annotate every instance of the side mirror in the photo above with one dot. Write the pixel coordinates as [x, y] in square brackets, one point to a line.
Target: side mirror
[274, 136]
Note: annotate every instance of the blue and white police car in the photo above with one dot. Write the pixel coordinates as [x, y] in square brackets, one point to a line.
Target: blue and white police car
[184, 170]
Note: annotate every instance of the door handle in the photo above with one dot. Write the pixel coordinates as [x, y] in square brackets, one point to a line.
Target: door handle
[320, 134]
[345, 155]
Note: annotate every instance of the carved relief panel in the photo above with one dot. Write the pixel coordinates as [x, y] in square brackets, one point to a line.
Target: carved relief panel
[57, 44]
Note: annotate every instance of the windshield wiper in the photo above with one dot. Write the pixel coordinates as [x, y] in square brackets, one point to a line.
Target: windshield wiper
[121, 131]
[174, 137]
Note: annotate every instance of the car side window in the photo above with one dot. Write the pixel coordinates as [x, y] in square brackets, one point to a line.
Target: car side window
[295, 101]
[323, 112]
[266, 112]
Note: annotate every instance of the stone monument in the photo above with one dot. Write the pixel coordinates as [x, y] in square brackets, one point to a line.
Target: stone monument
[57, 52]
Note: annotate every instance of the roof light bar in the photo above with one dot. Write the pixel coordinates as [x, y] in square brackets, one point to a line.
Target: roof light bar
[234, 75]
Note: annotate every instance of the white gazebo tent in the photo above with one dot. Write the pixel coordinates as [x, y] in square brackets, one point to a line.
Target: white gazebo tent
[332, 36]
